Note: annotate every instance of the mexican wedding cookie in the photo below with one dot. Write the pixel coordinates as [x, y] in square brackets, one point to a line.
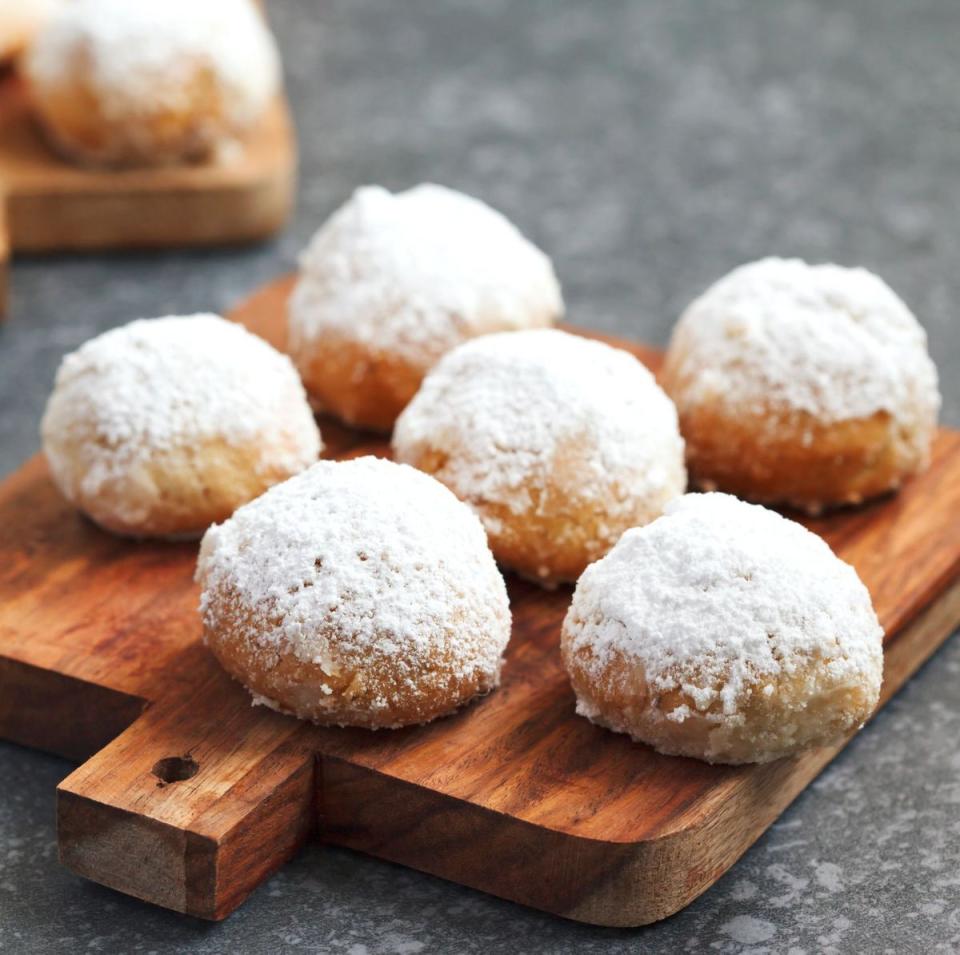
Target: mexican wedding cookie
[808, 385]
[393, 281]
[141, 82]
[163, 426]
[725, 632]
[558, 443]
[359, 593]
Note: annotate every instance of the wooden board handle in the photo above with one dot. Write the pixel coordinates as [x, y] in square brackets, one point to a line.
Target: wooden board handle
[196, 803]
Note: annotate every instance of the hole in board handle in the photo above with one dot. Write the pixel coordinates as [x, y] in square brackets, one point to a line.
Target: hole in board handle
[175, 769]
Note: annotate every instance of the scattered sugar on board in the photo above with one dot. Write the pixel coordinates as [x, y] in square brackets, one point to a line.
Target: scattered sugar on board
[137, 51]
[165, 383]
[365, 560]
[717, 596]
[501, 406]
[835, 342]
[417, 270]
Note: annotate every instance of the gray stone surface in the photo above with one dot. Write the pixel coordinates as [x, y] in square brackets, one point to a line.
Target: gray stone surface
[649, 146]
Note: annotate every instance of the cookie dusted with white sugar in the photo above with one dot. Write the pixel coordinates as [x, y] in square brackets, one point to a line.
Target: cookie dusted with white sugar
[359, 593]
[165, 425]
[808, 385]
[558, 443]
[725, 632]
[142, 83]
[392, 281]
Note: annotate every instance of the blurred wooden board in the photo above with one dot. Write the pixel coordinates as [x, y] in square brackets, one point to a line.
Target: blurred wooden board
[55, 205]
[189, 796]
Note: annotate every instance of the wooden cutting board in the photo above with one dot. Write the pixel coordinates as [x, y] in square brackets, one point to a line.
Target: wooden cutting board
[54, 205]
[189, 797]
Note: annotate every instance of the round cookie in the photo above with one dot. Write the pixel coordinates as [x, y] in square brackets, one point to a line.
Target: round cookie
[808, 385]
[557, 442]
[163, 426]
[359, 593]
[725, 632]
[393, 281]
[131, 82]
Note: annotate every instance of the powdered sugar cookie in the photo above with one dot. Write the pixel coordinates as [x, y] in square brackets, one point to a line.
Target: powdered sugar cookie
[137, 82]
[393, 281]
[557, 442]
[358, 593]
[809, 385]
[726, 632]
[165, 425]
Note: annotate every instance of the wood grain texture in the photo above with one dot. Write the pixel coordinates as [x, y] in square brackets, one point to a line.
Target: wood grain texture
[515, 795]
[52, 204]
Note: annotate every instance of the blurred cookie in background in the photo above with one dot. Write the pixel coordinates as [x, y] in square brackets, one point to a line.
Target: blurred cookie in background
[137, 83]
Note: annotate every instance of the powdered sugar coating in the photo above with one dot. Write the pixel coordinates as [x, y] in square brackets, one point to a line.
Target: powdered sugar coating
[717, 598]
[834, 342]
[164, 384]
[364, 566]
[19, 22]
[502, 406]
[135, 50]
[415, 273]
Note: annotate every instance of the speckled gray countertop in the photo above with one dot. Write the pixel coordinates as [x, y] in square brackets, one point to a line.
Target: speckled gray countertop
[649, 147]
